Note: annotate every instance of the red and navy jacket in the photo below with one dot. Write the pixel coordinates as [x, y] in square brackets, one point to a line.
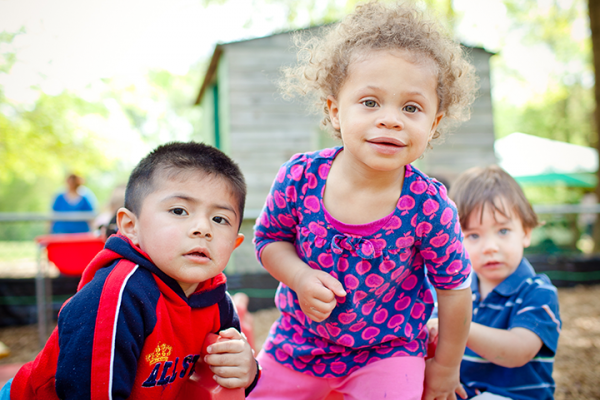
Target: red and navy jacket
[128, 333]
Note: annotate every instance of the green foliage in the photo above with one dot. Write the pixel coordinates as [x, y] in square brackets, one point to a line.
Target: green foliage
[565, 114]
[18, 251]
[559, 194]
[565, 111]
[206, 3]
[46, 139]
[49, 140]
[552, 23]
[160, 106]
[7, 59]
[40, 143]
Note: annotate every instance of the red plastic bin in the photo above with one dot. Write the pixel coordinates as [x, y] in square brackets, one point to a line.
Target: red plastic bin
[71, 252]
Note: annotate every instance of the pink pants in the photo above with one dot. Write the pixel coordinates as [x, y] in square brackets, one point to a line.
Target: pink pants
[390, 378]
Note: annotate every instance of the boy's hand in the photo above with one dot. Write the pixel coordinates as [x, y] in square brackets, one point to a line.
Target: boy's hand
[316, 292]
[441, 382]
[433, 327]
[231, 359]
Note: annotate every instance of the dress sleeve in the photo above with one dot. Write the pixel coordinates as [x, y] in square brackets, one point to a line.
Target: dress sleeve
[441, 240]
[539, 312]
[278, 220]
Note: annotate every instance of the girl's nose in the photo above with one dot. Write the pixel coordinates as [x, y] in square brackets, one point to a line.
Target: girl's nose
[390, 119]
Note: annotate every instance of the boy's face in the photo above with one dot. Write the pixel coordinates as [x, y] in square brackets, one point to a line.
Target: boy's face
[188, 226]
[386, 110]
[495, 244]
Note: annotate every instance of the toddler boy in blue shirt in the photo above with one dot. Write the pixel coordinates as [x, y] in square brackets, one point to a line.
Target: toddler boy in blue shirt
[516, 323]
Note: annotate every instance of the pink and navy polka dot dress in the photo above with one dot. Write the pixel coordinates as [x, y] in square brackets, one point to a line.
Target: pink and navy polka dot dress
[381, 266]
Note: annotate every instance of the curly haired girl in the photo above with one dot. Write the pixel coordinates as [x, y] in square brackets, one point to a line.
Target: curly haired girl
[349, 231]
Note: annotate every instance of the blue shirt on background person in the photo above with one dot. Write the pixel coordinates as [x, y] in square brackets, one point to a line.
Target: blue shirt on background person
[76, 198]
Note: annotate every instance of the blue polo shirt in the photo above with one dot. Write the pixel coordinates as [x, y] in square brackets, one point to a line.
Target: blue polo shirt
[523, 300]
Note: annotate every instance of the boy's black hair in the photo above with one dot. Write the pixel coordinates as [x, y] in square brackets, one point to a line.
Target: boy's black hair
[179, 156]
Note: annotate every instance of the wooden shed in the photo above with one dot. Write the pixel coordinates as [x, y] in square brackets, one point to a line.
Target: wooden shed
[245, 116]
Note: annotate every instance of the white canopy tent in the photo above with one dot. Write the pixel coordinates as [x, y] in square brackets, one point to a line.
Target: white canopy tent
[539, 161]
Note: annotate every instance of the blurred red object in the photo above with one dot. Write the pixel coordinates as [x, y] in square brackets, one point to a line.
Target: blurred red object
[71, 252]
[431, 347]
[201, 384]
[241, 301]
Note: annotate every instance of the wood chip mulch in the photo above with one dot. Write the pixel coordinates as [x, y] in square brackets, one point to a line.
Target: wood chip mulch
[576, 369]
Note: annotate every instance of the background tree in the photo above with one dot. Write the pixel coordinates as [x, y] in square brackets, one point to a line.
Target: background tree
[563, 110]
[41, 142]
[153, 107]
[44, 140]
[594, 13]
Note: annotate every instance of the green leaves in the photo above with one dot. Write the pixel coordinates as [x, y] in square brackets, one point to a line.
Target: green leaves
[49, 140]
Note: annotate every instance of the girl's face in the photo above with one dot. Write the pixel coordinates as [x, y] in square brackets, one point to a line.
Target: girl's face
[386, 110]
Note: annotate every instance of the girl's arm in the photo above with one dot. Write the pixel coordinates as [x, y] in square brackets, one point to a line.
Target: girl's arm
[316, 289]
[442, 371]
[507, 348]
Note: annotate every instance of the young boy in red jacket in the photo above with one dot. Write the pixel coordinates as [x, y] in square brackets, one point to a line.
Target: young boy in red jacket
[135, 328]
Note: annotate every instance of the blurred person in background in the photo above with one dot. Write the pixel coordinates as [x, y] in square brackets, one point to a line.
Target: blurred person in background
[76, 198]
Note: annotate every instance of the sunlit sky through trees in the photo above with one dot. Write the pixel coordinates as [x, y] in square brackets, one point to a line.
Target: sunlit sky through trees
[72, 44]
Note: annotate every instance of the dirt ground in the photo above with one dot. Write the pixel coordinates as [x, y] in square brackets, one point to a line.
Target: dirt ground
[576, 368]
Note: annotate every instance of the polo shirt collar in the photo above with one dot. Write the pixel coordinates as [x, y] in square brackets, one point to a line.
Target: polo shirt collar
[511, 284]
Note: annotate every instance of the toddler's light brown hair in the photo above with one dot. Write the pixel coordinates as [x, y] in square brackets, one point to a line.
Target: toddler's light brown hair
[491, 186]
[323, 61]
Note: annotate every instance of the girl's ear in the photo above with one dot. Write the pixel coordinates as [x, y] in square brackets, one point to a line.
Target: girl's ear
[434, 126]
[334, 112]
[128, 224]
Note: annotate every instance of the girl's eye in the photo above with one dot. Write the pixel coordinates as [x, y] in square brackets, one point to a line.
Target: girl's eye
[473, 236]
[370, 103]
[220, 220]
[179, 211]
[411, 109]
[503, 231]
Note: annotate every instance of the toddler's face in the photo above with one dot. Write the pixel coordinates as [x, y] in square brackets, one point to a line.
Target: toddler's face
[495, 244]
[386, 110]
[188, 226]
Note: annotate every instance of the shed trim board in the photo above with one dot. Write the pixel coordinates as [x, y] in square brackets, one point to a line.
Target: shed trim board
[210, 72]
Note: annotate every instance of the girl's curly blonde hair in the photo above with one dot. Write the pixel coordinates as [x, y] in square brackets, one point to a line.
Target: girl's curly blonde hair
[323, 61]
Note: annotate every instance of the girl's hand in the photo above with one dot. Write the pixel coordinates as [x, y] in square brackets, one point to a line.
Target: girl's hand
[316, 292]
[231, 359]
[441, 382]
